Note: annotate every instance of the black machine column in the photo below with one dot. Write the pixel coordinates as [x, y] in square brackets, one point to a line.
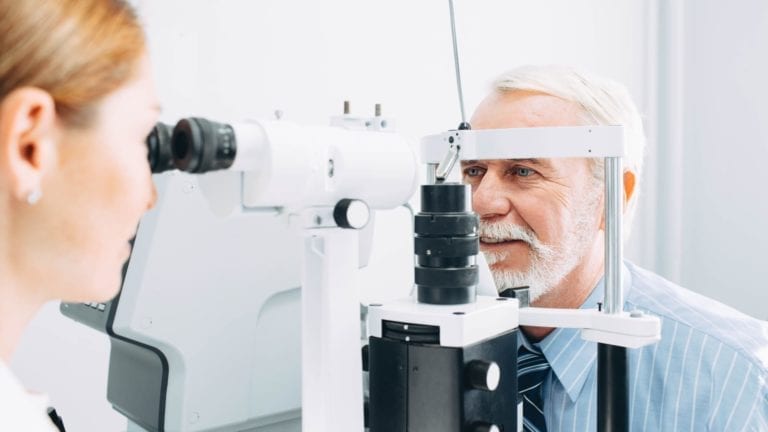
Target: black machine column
[612, 389]
[421, 378]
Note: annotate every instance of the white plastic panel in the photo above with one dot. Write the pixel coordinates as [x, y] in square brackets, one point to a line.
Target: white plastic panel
[474, 322]
[524, 143]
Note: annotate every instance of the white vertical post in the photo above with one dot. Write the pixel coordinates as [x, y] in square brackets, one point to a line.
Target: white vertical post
[332, 375]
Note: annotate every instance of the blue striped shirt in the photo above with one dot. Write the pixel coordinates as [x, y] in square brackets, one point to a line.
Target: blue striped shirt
[708, 372]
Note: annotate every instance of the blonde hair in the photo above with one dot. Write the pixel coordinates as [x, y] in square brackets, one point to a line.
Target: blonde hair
[603, 102]
[76, 50]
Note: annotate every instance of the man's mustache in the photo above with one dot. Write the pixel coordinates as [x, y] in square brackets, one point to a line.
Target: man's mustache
[501, 231]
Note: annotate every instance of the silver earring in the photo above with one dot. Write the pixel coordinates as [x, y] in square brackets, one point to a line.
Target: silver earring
[34, 196]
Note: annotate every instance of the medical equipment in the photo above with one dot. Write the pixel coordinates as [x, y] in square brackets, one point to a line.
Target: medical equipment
[205, 333]
[452, 360]
[447, 342]
[409, 391]
[447, 351]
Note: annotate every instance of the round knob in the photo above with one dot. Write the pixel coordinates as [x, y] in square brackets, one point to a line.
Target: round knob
[351, 213]
[483, 375]
[485, 427]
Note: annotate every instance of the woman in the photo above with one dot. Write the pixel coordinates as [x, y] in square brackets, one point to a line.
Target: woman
[76, 103]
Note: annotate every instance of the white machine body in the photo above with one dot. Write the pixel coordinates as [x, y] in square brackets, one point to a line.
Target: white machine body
[231, 337]
[460, 325]
[290, 166]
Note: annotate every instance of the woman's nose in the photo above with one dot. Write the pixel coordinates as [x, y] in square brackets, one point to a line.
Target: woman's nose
[152, 195]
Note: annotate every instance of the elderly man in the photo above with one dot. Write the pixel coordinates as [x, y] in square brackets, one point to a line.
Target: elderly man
[541, 225]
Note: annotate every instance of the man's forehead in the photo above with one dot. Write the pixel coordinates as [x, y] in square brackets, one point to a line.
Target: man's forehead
[509, 109]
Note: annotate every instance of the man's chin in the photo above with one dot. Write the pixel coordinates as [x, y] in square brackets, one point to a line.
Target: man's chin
[506, 279]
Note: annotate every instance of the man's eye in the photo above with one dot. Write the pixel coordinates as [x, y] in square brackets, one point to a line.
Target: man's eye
[523, 171]
[473, 171]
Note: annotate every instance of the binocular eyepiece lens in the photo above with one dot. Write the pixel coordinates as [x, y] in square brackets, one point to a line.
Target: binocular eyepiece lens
[159, 148]
[195, 145]
[201, 145]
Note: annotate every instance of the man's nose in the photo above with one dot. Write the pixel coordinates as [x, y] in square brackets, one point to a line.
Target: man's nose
[489, 199]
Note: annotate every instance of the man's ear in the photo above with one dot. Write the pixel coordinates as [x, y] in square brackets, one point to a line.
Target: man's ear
[629, 187]
[27, 144]
[629, 192]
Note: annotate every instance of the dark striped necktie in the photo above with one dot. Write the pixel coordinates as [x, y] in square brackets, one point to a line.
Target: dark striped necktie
[532, 367]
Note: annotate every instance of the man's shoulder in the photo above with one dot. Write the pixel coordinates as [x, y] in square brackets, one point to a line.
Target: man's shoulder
[685, 311]
[711, 365]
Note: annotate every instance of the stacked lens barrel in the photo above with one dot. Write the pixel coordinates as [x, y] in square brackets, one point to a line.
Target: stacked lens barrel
[446, 245]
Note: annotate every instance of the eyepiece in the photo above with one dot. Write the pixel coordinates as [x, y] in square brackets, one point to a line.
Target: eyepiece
[200, 145]
[446, 244]
[159, 146]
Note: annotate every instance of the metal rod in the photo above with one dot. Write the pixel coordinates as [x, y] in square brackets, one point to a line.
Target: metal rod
[614, 188]
[612, 377]
[456, 62]
[432, 173]
[612, 389]
[445, 167]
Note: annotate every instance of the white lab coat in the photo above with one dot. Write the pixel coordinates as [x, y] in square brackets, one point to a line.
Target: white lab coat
[20, 410]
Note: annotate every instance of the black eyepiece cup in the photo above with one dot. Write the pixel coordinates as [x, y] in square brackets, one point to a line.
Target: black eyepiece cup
[159, 148]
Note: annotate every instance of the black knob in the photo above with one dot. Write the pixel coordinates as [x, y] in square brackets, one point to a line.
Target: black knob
[483, 375]
[351, 213]
[365, 358]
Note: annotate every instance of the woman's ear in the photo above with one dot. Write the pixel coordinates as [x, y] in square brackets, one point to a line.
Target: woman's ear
[27, 144]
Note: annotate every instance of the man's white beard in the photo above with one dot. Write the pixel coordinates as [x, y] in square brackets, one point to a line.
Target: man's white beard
[549, 264]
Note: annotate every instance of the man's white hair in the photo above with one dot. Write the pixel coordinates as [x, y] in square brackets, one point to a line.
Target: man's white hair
[604, 102]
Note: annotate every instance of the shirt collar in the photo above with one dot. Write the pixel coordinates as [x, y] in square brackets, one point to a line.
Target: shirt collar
[570, 356]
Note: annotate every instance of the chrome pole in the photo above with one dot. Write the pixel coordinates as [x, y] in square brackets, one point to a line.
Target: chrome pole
[612, 375]
[614, 201]
[432, 173]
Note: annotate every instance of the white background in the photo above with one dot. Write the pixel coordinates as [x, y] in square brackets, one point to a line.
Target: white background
[697, 75]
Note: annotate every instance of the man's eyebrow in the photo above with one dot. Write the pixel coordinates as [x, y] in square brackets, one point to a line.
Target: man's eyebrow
[533, 161]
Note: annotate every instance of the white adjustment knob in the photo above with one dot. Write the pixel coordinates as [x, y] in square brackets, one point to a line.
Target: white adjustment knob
[351, 213]
[484, 375]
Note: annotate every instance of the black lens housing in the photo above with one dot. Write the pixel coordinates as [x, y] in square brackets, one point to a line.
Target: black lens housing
[199, 145]
[445, 244]
[159, 148]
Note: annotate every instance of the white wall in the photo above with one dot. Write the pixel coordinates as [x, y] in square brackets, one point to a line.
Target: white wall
[724, 230]
[704, 213]
[236, 58]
